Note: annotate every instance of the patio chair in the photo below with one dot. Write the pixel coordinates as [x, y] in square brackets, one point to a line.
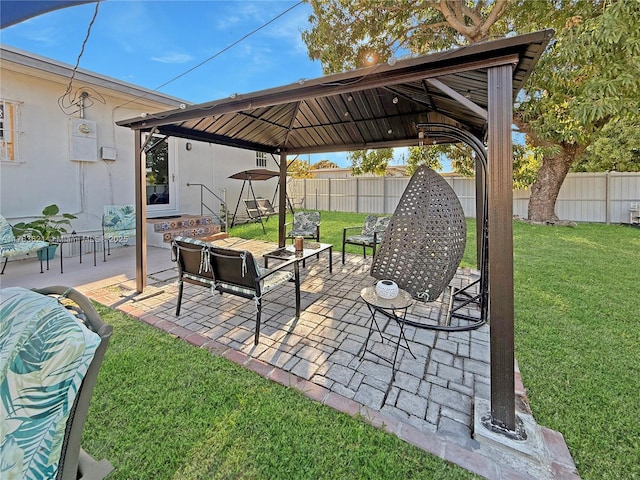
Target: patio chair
[371, 234]
[118, 226]
[305, 225]
[237, 273]
[10, 246]
[192, 256]
[55, 342]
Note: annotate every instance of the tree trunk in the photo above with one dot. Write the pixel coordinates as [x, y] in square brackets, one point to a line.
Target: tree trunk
[545, 190]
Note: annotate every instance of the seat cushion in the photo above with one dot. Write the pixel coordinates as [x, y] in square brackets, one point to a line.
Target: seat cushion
[369, 225]
[275, 279]
[269, 283]
[119, 221]
[302, 233]
[44, 355]
[20, 248]
[305, 224]
[361, 239]
[6, 232]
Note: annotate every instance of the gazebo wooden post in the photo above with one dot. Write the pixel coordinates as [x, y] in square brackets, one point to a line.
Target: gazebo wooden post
[141, 213]
[282, 200]
[500, 217]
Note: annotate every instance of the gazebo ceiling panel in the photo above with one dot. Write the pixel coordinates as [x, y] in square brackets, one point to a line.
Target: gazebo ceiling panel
[372, 107]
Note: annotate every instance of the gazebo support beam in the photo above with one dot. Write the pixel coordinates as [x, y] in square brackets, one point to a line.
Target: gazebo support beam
[282, 200]
[141, 213]
[500, 218]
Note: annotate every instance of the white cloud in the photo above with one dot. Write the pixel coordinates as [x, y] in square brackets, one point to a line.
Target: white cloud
[173, 58]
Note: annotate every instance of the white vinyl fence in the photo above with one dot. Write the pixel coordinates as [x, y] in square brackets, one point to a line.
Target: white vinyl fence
[584, 197]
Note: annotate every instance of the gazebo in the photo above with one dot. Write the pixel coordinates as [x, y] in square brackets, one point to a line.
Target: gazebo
[460, 95]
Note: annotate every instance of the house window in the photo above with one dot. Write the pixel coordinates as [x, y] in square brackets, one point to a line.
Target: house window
[8, 131]
[261, 160]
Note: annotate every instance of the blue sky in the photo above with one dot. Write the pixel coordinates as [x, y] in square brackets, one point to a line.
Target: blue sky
[150, 42]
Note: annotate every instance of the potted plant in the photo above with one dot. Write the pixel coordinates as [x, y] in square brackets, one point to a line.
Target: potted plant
[49, 225]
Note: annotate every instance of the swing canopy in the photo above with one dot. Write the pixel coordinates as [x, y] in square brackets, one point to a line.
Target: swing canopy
[255, 174]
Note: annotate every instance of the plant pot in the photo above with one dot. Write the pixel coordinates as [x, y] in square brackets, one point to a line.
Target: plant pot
[42, 253]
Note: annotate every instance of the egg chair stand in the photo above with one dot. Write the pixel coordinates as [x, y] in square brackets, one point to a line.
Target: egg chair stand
[423, 246]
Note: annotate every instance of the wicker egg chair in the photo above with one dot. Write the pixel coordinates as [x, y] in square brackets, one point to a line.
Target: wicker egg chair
[425, 240]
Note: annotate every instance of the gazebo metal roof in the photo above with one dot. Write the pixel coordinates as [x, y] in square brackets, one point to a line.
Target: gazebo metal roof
[373, 107]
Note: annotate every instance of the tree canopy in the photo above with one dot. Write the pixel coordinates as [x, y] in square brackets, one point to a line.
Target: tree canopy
[370, 161]
[588, 79]
[324, 164]
[297, 168]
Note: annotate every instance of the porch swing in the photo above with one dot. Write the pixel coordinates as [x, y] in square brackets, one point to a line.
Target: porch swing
[256, 208]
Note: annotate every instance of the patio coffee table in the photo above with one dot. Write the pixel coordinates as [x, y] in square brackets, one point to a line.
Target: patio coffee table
[394, 309]
[310, 249]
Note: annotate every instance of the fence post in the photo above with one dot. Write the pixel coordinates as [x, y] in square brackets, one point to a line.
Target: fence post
[384, 194]
[607, 198]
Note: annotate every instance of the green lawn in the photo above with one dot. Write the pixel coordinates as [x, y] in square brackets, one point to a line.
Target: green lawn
[164, 409]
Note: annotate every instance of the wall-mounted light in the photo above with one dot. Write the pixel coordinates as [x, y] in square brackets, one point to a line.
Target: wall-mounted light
[395, 100]
[188, 146]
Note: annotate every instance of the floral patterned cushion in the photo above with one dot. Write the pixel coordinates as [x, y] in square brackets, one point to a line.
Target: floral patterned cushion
[381, 225]
[44, 355]
[6, 233]
[119, 221]
[372, 224]
[20, 248]
[369, 225]
[305, 224]
[10, 247]
[269, 283]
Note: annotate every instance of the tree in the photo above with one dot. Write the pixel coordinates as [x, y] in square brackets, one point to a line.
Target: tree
[370, 161]
[299, 169]
[426, 155]
[589, 76]
[616, 148]
[349, 33]
[324, 164]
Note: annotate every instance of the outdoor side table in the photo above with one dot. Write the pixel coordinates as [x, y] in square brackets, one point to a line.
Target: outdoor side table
[75, 239]
[394, 309]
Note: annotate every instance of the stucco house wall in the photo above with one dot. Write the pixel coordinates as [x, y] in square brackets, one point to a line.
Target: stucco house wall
[43, 172]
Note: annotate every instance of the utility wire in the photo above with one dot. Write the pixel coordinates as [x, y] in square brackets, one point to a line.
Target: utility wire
[72, 99]
[220, 52]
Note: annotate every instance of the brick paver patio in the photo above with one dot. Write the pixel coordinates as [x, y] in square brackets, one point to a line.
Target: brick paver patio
[431, 402]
